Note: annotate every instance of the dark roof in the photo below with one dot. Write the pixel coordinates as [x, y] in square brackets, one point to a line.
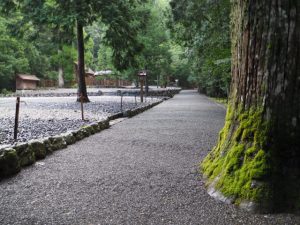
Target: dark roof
[28, 77]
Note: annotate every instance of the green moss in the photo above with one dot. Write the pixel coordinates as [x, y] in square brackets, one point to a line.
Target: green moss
[239, 161]
[9, 162]
[222, 101]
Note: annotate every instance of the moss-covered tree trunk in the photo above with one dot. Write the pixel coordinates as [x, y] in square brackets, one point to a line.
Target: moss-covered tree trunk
[82, 93]
[256, 162]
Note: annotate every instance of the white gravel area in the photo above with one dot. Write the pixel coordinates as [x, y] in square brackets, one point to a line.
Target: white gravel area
[47, 116]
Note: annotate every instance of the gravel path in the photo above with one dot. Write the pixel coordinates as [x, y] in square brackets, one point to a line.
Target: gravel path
[143, 170]
[48, 116]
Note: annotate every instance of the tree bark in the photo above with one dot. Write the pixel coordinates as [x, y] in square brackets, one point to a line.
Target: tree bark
[256, 162]
[82, 92]
[61, 82]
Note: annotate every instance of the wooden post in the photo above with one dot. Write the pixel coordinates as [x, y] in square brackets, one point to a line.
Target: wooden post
[142, 89]
[142, 75]
[121, 101]
[17, 119]
[81, 103]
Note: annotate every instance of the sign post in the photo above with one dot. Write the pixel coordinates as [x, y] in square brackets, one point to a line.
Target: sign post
[142, 75]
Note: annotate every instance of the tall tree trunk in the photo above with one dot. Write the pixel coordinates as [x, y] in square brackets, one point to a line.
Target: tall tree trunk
[81, 68]
[256, 162]
[61, 82]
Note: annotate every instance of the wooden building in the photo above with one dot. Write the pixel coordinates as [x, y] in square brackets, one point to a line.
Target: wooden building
[100, 78]
[26, 82]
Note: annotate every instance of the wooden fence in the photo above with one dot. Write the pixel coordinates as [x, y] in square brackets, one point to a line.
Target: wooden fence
[90, 81]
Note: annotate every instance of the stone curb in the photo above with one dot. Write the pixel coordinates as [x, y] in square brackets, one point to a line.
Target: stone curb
[13, 158]
[151, 93]
[68, 94]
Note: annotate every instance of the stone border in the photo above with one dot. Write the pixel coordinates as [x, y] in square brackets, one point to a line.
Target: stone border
[13, 158]
[126, 92]
[67, 94]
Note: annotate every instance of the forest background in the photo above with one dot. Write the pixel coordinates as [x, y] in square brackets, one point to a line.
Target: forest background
[184, 40]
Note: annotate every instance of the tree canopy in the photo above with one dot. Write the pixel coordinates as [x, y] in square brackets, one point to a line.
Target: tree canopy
[124, 36]
[203, 28]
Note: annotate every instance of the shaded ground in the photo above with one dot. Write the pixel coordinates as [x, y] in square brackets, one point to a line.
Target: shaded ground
[140, 171]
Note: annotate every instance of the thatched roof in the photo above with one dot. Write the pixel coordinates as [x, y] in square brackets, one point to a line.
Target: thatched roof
[89, 72]
[103, 72]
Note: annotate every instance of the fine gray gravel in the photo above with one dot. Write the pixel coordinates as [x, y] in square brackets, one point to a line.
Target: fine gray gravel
[142, 170]
[49, 116]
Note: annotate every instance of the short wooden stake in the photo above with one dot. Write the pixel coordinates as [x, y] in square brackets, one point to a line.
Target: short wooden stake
[17, 119]
[81, 103]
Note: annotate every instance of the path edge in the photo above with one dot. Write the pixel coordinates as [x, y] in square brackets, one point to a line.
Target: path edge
[14, 158]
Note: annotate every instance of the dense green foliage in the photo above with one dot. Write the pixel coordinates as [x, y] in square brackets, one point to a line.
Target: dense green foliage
[29, 49]
[203, 27]
[125, 37]
[12, 56]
